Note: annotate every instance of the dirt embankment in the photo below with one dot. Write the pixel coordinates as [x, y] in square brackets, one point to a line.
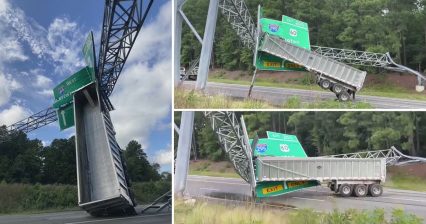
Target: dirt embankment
[406, 81]
[415, 170]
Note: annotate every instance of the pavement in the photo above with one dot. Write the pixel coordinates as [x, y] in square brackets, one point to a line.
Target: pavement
[79, 217]
[277, 95]
[319, 198]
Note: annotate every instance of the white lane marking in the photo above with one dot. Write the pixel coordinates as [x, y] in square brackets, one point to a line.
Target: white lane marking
[246, 202]
[103, 220]
[209, 189]
[404, 199]
[310, 199]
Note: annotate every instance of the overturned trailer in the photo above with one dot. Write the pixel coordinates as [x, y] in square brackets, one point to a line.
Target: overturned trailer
[345, 176]
[103, 186]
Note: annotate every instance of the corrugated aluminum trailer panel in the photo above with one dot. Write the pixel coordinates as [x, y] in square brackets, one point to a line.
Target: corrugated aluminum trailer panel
[319, 168]
[102, 186]
[338, 71]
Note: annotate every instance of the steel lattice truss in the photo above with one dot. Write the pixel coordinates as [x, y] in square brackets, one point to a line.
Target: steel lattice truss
[238, 15]
[353, 57]
[231, 138]
[33, 122]
[123, 20]
[393, 156]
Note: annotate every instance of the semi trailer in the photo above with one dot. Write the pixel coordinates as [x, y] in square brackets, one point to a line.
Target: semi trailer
[282, 166]
[103, 184]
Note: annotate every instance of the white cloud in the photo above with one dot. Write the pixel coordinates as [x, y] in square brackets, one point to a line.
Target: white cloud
[7, 86]
[46, 92]
[25, 29]
[164, 157]
[42, 81]
[66, 42]
[13, 114]
[11, 50]
[154, 35]
[142, 95]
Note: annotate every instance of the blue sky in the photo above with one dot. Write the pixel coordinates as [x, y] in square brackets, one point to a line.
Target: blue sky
[43, 42]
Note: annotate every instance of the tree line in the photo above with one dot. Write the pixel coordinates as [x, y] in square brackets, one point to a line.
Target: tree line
[27, 161]
[324, 133]
[395, 26]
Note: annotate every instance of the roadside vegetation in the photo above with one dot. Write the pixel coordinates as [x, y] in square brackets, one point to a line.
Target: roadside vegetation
[35, 178]
[186, 99]
[206, 213]
[190, 99]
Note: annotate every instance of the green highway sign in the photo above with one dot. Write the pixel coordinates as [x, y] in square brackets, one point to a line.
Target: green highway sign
[275, 188]
[63, 93]
[289, 29]
[296, 32]
[272, 63]
[278, 144]
[89, 54]
[66, 117]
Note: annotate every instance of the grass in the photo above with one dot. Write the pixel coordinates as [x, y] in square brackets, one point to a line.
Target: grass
[404, 182]
[388, 90]
[29, 198]
[294, 102]
[192, 99]
[207, 168]
[206, 213]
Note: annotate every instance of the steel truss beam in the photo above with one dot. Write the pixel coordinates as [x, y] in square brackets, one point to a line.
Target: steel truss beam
[123, 20]
[238, 15]
[393, 156]
[353, 57]
[232, 139]
[33, 122]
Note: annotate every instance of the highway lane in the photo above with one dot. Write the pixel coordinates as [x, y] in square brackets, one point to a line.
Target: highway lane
[80, 217]
[318, 198]
[277, 96]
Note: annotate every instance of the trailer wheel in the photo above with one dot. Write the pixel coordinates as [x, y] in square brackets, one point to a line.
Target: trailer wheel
[325, 84]
[345, 190]
[337, 88]
[344, 96]
[360, 190]
[375, 190]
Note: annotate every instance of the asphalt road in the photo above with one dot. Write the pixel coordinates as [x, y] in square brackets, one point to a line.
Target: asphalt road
[80, 217]
[277, 96]
[318, 198]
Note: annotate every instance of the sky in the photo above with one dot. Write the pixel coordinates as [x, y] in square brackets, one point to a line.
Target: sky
[41, 45]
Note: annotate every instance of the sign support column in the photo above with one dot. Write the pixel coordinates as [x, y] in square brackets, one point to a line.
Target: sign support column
[206, 51]
[177, 40]
[183, 152]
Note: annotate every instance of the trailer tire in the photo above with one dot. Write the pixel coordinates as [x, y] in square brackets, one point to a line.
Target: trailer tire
[325, 84]
[337, 88]
[375, 190]
[344, 96]
[345, 190]
[360, 190]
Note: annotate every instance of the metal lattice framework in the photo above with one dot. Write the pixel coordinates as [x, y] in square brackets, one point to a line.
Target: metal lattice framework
[353, 57]
[32, 122]
[238, 15]
[393, 156]
[231, 138]
[123, 20]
